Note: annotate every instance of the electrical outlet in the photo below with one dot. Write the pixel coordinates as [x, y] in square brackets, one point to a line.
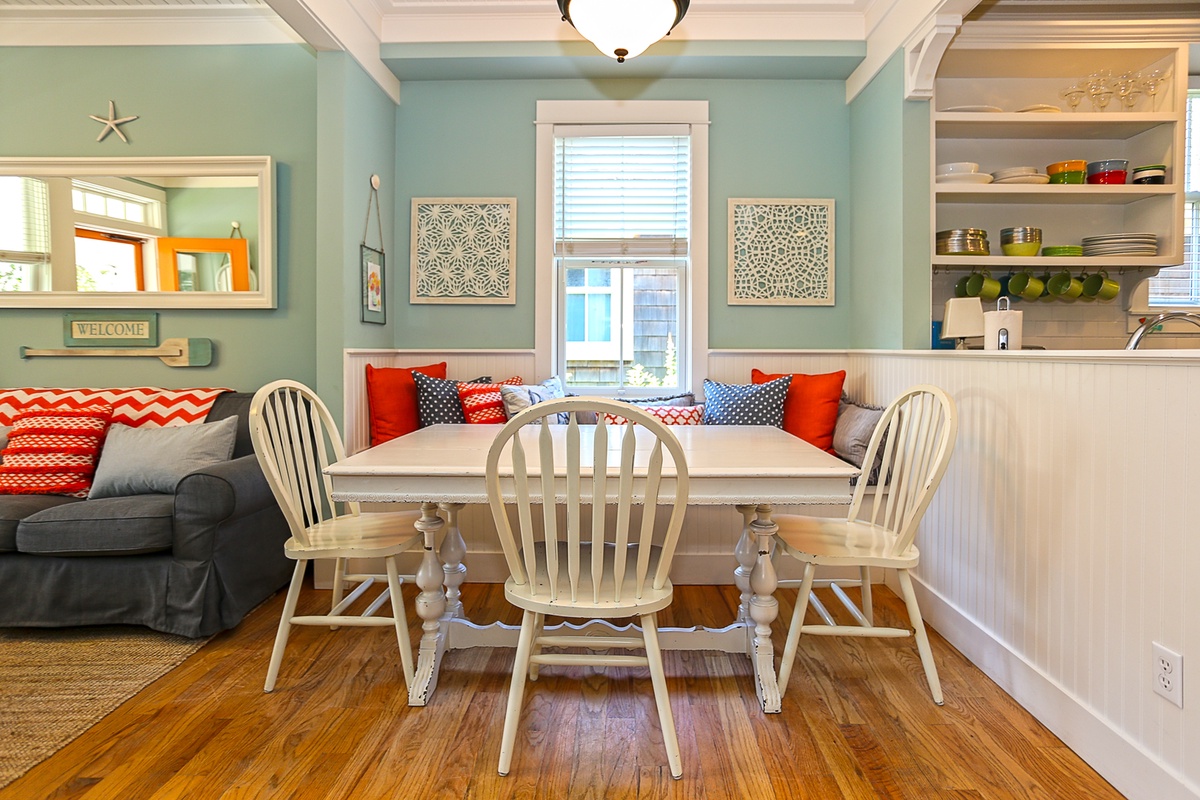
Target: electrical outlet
[1168, 674]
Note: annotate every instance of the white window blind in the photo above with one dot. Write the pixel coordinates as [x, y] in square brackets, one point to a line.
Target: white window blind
[24, 221]
[621, 195]
[1180, 286]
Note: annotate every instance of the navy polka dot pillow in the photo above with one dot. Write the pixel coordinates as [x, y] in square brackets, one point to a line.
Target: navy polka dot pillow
[437, 401]
[745, 404]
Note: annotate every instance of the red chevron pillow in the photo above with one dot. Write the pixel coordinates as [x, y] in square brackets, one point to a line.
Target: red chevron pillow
[669, 415]
[482, 403]
[54, 451]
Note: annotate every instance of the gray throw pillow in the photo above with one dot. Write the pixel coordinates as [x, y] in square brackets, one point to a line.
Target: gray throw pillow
[3, 439]
[852, 434]
[518, 398]
[154, 460]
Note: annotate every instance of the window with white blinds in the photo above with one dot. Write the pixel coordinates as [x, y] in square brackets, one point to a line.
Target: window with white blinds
[24, 233]
[621, 195]
[622, 221]
[1179, 287]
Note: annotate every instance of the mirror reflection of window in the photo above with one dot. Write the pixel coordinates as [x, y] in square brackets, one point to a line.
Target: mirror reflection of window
[106, 262]
[24, 234]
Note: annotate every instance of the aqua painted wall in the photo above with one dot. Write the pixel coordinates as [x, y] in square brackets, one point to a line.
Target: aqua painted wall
[889, 221]
[252, 100]
[356, 139]
[768, 138]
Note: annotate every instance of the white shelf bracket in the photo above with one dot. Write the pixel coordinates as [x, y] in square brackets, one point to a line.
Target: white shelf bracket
[923, 53]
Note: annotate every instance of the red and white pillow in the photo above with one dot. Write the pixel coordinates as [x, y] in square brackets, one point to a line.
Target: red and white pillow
[669, 415]
[482, 403]
[54, 451]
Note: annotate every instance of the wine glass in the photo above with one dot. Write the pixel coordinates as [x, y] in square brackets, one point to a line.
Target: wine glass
[1153, 80]
[1100, 89]
[1073, 94]
[1129, 89]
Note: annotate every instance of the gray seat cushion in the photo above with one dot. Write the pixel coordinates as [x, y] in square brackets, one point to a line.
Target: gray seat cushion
[108, 526]
[16, 507]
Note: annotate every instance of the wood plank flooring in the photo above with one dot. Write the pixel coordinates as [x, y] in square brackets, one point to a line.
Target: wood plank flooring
[857, 722]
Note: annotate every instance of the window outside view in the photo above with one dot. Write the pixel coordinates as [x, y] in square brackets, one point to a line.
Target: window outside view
[1179, 287]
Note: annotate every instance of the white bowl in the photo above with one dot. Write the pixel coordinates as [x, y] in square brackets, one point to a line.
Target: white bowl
[957, 167]
[1012, 172]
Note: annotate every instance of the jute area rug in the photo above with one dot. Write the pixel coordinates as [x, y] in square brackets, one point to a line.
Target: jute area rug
[57, 683]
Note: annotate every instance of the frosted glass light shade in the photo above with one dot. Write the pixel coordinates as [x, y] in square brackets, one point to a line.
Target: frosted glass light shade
[623, 29]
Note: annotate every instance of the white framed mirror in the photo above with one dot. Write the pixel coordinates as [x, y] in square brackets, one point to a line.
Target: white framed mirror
[137, 233]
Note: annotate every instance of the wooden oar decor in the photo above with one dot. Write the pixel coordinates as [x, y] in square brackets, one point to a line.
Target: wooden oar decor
[196, 352]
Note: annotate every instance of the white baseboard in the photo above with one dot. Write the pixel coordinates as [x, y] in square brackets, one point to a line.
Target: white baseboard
[1135, 773]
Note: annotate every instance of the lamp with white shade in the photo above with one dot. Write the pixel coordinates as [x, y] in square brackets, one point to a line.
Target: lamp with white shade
[623, 29]
[963, 318]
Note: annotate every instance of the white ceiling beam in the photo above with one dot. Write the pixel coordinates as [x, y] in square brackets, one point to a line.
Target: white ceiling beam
[67, 26]
[896, 25]
[339, 25]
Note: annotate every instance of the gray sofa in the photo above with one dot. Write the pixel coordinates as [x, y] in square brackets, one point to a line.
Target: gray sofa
[190, 563]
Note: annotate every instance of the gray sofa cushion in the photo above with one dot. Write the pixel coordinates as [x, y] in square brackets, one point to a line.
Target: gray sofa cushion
[109, 526]
[153, 460]
[16, 507]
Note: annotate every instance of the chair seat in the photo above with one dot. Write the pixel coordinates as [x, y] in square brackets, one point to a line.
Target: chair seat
[535, 596]
[363, 536]
[824, 541]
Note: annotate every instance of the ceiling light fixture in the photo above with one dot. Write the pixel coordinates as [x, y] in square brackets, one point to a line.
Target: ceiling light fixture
[623, 29]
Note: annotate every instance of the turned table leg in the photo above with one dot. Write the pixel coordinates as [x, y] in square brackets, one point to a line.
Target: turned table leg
[764, 608]
[453, 551]
[431, 605]
[746, 553]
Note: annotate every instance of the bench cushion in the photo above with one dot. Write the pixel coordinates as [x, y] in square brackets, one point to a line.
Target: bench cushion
[109, 526]
[16, 507]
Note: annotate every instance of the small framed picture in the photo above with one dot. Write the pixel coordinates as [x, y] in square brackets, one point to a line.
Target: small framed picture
[373, 308]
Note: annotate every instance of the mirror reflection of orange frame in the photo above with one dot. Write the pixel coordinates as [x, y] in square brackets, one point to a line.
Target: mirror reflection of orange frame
[169, 247]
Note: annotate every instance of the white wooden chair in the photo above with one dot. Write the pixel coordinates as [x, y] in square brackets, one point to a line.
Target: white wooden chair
[916, 434]
[576, 570]
[295, 438]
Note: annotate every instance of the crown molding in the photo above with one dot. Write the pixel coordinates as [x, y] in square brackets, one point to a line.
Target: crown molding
[161, 25]
[1058, 31]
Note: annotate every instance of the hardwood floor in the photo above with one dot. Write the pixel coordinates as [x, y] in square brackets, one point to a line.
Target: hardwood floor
[857, 722]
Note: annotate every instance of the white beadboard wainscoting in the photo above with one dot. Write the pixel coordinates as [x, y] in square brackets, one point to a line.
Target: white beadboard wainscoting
[1064, 540]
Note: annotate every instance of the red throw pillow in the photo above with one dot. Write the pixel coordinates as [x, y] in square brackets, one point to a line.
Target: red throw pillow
[482, 403]
[811, 407]
[54, 451]
[392, 399]
[668, 415]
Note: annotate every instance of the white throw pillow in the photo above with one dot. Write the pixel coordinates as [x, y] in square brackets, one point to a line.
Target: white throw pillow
[154, 460]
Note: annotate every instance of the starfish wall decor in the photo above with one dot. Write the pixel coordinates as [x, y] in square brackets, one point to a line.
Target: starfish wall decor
[112, 122]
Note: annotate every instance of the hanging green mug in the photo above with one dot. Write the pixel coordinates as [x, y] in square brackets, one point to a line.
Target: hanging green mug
[960, 288]
[1065, 286]
[983, 286]
[1100, 286]
[1025, 286]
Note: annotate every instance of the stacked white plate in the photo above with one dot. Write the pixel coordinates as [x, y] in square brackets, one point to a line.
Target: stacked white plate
[1121, 244]
[964, 177]
[1019, 175]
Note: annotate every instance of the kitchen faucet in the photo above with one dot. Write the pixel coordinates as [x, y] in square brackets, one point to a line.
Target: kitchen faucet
[1149, 325]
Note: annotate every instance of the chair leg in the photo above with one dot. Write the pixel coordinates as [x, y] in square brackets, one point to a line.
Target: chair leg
[658, 679]
[516, 692]
[866, 606]
[539, 628]
[794, 630]
[401, 620]
[339, 585]
[285, 624]
[914, 616]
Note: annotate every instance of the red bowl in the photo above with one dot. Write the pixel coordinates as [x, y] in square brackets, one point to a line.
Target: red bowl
[1111, 176]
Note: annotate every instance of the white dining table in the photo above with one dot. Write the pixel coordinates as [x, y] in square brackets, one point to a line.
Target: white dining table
[752, 468]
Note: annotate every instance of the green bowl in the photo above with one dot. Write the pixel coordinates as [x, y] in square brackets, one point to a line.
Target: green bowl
[1069, 177]
[1021, 248]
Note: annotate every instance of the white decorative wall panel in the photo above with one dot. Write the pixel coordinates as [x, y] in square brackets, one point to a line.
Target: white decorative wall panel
[464, 250]
[781, 252]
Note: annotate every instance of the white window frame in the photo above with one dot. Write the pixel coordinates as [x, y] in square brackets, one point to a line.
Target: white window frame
[693, 352]
[1139, 300]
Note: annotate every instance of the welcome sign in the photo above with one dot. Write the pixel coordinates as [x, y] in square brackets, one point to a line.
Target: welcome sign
[111, 329]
